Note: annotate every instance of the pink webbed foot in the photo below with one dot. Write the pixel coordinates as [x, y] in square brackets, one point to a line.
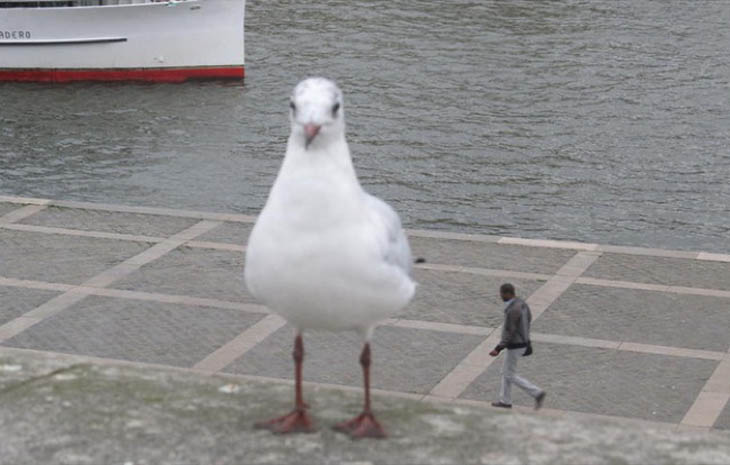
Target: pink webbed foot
[362, 426]
[298, 421]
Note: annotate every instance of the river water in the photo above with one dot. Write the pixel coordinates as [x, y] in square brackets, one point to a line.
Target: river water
[601, 121]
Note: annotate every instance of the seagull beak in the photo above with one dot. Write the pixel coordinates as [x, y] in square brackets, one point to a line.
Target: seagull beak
[311, 131]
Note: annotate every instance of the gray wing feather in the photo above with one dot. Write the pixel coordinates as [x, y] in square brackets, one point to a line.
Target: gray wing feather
[393, 240]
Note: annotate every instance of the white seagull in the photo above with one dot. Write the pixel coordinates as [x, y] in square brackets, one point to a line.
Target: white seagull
[325, 254]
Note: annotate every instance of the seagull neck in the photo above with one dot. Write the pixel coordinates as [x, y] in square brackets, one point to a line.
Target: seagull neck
[333, 158]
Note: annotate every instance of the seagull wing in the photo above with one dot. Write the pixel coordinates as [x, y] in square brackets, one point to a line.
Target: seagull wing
[391, 238]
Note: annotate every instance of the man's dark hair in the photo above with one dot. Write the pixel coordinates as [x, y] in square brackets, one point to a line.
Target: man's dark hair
[507, 288]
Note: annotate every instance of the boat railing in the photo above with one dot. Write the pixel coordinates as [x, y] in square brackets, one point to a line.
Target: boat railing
[74, 3]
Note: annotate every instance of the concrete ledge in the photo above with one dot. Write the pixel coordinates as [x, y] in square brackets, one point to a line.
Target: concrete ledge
[71, 410]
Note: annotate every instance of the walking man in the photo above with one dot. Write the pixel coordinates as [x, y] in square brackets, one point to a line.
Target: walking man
[516, 339]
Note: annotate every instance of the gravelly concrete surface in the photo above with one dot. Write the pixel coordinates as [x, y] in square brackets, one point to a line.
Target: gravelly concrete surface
[207, 273]
[593, 380]
[490, 255]
[229, 233]
[58, 258]
[149, 332]
[723, 421]
[117, 222]
[72, 413]
[646, 317]
[404, 359]
[448, 316]
[461, 298]
[6, 207]
[662, 270]
[15, 301]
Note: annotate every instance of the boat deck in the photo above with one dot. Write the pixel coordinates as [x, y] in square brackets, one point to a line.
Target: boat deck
[634, 333]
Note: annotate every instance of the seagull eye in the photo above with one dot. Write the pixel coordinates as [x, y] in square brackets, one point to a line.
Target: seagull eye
[335, 107]
[292, 106]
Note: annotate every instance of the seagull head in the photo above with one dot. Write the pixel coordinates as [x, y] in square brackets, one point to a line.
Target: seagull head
[316, 112]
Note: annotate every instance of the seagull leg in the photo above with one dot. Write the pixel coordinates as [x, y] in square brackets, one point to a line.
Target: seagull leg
[297, 421]
[364, 425]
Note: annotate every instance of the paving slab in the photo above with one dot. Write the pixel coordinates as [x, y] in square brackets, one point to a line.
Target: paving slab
[6, 207]
[404, 359]
[15, 301]
[646, 317]
[723, 421]
[604, 381]
[122, 329]
[461, 298]
[662, 270]
[73, 412]
[489, 255]
[59, 258]
[115, 222]
[229, 233]
[216, 274]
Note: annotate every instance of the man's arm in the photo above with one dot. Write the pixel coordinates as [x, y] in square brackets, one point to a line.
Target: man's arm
[511, 321]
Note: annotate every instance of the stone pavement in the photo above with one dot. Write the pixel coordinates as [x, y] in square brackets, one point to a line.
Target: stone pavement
[636, 333]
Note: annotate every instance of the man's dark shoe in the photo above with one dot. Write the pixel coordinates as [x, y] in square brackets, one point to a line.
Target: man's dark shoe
[501, 405]
[539, 400]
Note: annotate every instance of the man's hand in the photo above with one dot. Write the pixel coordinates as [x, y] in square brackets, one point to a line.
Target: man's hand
[528, 350]
[494, 352]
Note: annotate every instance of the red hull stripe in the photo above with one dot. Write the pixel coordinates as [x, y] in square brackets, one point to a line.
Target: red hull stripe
[117, 74]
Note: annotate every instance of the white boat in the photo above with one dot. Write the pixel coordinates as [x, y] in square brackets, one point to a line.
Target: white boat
[112, 40]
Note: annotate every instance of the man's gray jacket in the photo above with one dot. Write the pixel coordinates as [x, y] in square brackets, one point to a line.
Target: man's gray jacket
[516, 328]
